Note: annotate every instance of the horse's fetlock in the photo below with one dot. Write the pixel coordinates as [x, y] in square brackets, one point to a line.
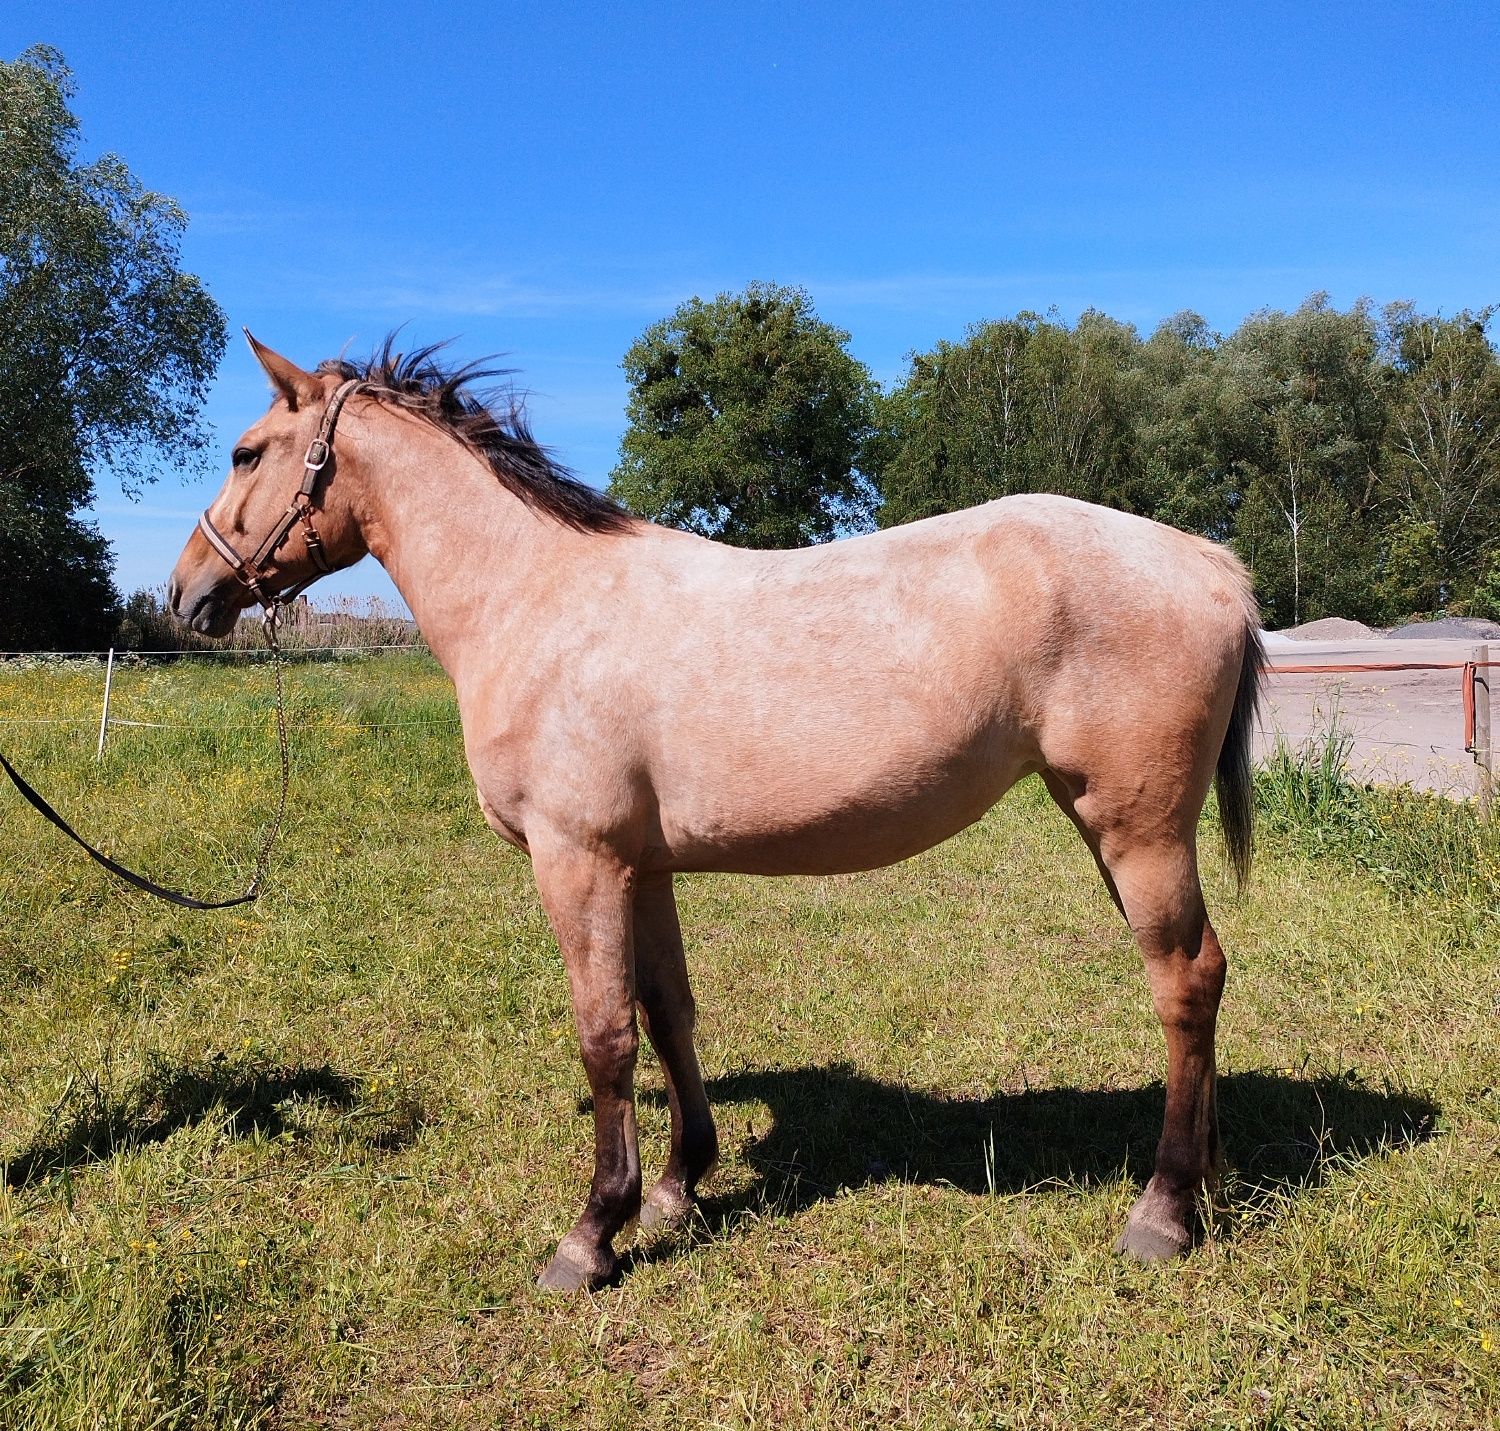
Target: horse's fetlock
[616, 1199]
[700, 1152]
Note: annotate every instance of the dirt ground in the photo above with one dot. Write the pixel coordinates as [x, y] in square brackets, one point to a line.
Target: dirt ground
[1408, 726]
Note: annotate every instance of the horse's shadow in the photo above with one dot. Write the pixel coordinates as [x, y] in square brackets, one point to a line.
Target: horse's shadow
[91, 1124]
[832, 1128]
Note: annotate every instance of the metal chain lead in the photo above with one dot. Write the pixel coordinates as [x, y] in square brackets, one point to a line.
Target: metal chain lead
[269, 623]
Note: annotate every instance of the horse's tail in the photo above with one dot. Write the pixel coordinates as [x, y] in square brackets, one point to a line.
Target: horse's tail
[1236, 786]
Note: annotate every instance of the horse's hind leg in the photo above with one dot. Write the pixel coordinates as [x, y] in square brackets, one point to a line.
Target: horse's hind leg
[1153, 874]
[667, 1008]
[1185, 966]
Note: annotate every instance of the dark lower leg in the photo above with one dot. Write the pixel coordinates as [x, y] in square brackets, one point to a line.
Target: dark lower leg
[586, 1256]
[1187, 979]
[667, 1008]
[695, 1143]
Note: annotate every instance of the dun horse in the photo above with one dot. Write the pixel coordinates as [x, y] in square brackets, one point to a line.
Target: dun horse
[638, 701]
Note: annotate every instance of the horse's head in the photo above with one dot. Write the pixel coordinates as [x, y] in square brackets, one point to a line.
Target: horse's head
[281, 518]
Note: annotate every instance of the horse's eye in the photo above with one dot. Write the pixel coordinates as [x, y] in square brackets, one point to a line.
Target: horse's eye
[245, 458]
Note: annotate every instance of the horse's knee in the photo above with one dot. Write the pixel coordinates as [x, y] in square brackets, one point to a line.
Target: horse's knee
[609, 1052]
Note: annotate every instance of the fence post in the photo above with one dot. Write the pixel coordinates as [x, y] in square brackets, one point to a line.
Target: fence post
[1484, 750]
[109, 675]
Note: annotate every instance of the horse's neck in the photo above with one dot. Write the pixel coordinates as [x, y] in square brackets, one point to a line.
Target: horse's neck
[465, 553]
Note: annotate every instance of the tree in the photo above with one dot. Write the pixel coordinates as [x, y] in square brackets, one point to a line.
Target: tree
[1441, 466]
[106, 351]
[1185, 430]
[957, 431]
[1352, 458]
[748, 422]
[1023, 404]
[1307, 398]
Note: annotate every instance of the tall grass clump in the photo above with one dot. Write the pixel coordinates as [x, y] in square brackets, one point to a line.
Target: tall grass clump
[1424, 848]
[345, 623]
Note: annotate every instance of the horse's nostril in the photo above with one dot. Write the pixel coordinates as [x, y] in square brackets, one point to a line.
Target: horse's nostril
[174, 591]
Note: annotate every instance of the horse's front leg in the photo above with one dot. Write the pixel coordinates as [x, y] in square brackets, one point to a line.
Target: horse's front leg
[588, 897]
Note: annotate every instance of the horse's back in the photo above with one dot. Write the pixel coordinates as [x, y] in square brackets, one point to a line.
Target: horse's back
[845, 706]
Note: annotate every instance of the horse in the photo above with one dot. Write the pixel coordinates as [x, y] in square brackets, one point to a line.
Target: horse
[639, 702]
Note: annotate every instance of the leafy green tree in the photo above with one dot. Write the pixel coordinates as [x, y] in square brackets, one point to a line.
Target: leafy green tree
[957, 431]
[1185, 430]
[748, 422]
[1023, 404]
[1440, 470]
[1084, 388]
[1352, 458]
[106, 350]
[1484, 600]
[1307, 403]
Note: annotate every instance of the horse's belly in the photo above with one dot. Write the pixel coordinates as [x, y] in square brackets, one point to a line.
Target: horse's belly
[825, 822]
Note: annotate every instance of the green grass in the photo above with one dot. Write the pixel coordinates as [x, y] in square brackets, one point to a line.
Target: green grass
[299, 1165]
[1427, 850]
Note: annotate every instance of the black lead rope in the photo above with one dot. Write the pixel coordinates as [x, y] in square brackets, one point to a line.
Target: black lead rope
[173, 896]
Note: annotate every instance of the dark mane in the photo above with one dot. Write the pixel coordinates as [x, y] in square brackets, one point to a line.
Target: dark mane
[491, 423]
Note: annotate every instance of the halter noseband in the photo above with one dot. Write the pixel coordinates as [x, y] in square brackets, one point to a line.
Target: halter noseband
[249, 569]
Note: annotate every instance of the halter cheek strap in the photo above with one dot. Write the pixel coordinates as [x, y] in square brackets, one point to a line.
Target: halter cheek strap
[250, 570]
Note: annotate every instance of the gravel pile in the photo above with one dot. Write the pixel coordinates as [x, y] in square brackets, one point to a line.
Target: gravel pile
[1449, 628]
[1330, 628]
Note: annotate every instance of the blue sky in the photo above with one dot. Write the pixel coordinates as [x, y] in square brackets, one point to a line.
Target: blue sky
[545, 180]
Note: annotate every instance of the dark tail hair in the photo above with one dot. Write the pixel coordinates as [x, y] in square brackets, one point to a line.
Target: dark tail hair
[1236, 787]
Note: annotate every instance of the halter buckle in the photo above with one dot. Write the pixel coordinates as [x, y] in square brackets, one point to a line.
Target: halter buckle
[318, 453]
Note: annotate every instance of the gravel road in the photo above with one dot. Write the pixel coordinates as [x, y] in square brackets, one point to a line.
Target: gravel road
[1408, 726]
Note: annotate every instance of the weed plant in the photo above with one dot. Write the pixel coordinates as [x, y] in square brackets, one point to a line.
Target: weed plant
[1438, 853]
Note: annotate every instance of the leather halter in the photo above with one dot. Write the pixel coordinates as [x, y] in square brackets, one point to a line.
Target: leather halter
[249, 569]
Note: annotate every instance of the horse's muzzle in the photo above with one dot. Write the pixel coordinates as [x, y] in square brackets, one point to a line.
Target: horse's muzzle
[205, 611]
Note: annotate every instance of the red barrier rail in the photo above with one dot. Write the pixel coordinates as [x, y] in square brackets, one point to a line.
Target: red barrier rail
[1470, 671]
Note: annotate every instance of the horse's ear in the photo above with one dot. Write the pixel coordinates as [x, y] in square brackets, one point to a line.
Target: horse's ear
[296, 386]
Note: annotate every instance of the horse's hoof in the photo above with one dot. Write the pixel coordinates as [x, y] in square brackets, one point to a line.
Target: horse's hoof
[1153, 1241]
[578, 1269]
[666, 1207]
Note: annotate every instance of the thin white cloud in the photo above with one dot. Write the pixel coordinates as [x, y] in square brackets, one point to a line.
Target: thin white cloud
[489, 295]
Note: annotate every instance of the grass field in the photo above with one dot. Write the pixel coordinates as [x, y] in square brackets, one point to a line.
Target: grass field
[299, 1165]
